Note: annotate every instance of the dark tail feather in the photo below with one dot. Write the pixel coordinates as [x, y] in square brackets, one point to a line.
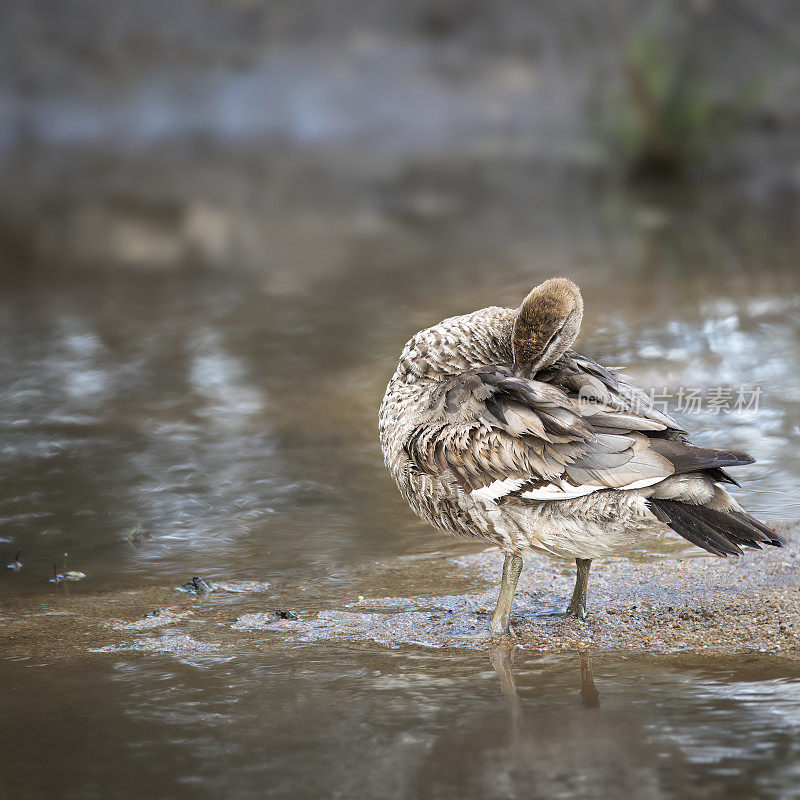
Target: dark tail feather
[720, 476]
[772, 536]
[719, 532]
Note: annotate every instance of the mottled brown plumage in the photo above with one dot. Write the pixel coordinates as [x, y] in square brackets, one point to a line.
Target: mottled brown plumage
[494, 429]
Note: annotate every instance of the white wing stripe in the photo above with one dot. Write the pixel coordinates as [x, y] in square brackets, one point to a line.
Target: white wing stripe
[498, 489]
[554, 491]
[564, 491]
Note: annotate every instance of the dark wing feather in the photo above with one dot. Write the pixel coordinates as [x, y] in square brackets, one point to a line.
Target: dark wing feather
[573, 429]
[492, 425]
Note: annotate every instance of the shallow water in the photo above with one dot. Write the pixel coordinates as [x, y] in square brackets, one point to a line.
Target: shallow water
[160, 425]
[337, 721]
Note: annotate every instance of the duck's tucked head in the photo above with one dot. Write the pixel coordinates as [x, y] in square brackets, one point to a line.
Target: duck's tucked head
[547, 324]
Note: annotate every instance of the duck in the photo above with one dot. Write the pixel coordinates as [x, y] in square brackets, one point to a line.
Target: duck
[495, 429]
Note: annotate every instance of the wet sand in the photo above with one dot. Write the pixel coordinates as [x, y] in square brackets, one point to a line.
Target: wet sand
[661, 605]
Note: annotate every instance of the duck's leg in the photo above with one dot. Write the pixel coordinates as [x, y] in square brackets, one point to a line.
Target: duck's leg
[512, 567]
[577, 606]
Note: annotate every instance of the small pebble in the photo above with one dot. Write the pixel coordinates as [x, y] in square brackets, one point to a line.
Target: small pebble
[286, 613]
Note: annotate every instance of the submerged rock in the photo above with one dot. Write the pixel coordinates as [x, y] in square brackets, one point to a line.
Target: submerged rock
[198, 586]
[153, 619]
[241, 587]
[178, 644]
[137, 535]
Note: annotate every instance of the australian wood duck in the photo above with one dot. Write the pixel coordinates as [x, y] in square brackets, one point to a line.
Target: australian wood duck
[493, 428]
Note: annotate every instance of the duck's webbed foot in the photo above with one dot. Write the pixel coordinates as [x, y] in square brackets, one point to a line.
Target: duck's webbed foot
[485, 635]
[577, 605]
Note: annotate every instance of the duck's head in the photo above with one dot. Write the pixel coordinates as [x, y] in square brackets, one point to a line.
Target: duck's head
[547, 323]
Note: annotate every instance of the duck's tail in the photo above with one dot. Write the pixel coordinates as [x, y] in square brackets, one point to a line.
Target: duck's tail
[719, 532]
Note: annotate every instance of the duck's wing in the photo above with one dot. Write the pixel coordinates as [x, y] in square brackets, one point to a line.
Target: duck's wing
[584, 379]
[499, 435]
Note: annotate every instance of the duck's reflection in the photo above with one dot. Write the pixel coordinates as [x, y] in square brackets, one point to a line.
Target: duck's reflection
[502, 658]
[590, 696]
[551, 741]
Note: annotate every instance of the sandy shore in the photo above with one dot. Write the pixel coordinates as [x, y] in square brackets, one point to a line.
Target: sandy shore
[662, 605]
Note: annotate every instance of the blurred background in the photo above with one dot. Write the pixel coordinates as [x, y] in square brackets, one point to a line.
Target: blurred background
[288, 139]
[220, 220]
